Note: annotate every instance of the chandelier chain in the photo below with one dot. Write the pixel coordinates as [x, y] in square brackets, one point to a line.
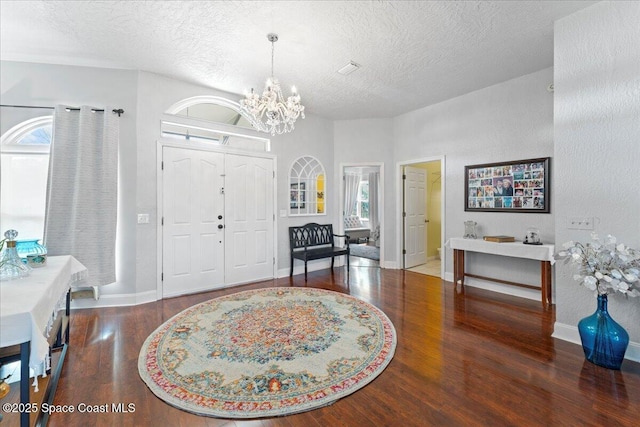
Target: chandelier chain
[273, 49]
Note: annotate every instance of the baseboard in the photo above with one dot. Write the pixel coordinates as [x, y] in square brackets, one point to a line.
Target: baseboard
[115, 300]
[497, 287]
[391, 265]
[324, 264]
[298, 267]
[570, 333]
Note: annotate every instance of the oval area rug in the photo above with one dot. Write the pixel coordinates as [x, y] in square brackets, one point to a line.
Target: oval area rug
[267, 352]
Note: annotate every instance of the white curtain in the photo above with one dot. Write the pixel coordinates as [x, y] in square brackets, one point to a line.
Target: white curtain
[81, 212]
[374, 217]
[351, 182]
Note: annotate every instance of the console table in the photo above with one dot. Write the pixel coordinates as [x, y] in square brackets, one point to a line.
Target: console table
[28, 311]
[542, 253]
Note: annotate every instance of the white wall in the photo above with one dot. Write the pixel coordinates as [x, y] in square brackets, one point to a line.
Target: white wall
[509, 121]
[49, 85]
[312, 136]
[597, 147]
[368, 141]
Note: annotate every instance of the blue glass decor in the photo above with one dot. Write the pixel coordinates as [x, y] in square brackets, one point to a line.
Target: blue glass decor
[603, 340]
[29, 247]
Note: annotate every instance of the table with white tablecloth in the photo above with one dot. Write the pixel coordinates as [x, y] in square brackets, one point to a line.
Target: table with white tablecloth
[28, 309]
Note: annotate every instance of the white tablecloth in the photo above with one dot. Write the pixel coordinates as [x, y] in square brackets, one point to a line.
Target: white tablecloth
[512, 249]
[28, 306]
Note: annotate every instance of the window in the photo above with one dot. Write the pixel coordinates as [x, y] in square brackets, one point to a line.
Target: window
[362, 207]
[212, 120]
[25, 169]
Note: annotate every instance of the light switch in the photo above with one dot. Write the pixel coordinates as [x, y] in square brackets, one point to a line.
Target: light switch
[580, 223]
[143, 218]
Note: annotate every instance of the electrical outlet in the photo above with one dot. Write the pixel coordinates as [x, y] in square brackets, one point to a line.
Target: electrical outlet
[580, 223]
[143, 218]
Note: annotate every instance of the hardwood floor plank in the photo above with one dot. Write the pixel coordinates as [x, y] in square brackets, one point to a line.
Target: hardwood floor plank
[464, 358]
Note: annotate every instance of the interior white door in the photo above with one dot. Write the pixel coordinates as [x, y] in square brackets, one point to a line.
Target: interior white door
[193, 208]
[415, 220]
[249, 223]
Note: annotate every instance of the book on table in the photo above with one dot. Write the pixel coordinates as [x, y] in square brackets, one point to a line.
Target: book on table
[499, 239]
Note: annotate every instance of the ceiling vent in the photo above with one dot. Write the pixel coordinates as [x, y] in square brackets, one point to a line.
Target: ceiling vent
[349, 68]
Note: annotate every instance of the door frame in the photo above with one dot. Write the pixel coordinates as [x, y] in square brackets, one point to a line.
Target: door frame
[380, 166]
[400, 205]
[202, 146]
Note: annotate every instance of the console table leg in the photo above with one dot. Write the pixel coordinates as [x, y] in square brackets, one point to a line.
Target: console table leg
[458, 266]
[545, 282]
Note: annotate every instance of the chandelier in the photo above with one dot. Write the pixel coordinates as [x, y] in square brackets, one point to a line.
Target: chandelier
[270, 112]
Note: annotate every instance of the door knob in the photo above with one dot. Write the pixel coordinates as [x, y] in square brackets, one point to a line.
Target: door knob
[220, 226]
[219, 216]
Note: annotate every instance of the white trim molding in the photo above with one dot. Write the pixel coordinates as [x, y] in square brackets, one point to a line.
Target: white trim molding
[570, 333]
[115, 300]
[399, 206]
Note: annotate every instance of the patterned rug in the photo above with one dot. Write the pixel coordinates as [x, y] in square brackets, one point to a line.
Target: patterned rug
[267, 352]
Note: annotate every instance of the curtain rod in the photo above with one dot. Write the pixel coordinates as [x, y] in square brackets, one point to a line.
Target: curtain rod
[118, 111]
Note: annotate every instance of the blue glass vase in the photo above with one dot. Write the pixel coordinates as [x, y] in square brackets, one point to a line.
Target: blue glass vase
[29, 247]
[603, 340]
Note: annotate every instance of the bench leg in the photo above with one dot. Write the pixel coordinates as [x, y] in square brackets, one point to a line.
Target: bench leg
[305, 270]
[332, 259]
[291, 272]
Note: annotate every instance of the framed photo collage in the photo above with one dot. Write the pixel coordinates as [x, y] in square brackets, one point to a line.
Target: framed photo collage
[515, 186]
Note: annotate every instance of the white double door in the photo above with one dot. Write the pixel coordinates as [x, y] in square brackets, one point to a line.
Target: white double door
[218, 220]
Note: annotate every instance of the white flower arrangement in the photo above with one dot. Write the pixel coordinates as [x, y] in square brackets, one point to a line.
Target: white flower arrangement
[605, 267]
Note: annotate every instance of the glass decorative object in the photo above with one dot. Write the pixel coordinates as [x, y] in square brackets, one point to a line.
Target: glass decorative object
[11, 266]
[603, 340]
[470, 230]
[532, 237]
[29, 247]
[31, 252]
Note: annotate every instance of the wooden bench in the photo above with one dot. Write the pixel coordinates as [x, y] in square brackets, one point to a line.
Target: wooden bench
[315, 241]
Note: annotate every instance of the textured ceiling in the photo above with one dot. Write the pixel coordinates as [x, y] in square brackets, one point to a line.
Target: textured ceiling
[412, 53]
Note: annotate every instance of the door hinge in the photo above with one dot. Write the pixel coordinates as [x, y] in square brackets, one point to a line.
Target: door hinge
[404, 214]
[404, 176]
[274, 260]
[274, 174]
[162, 221]
[404, 252]
[161, 165]
[162, 277]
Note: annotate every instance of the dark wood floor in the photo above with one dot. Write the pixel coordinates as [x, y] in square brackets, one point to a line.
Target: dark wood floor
[463, 359]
